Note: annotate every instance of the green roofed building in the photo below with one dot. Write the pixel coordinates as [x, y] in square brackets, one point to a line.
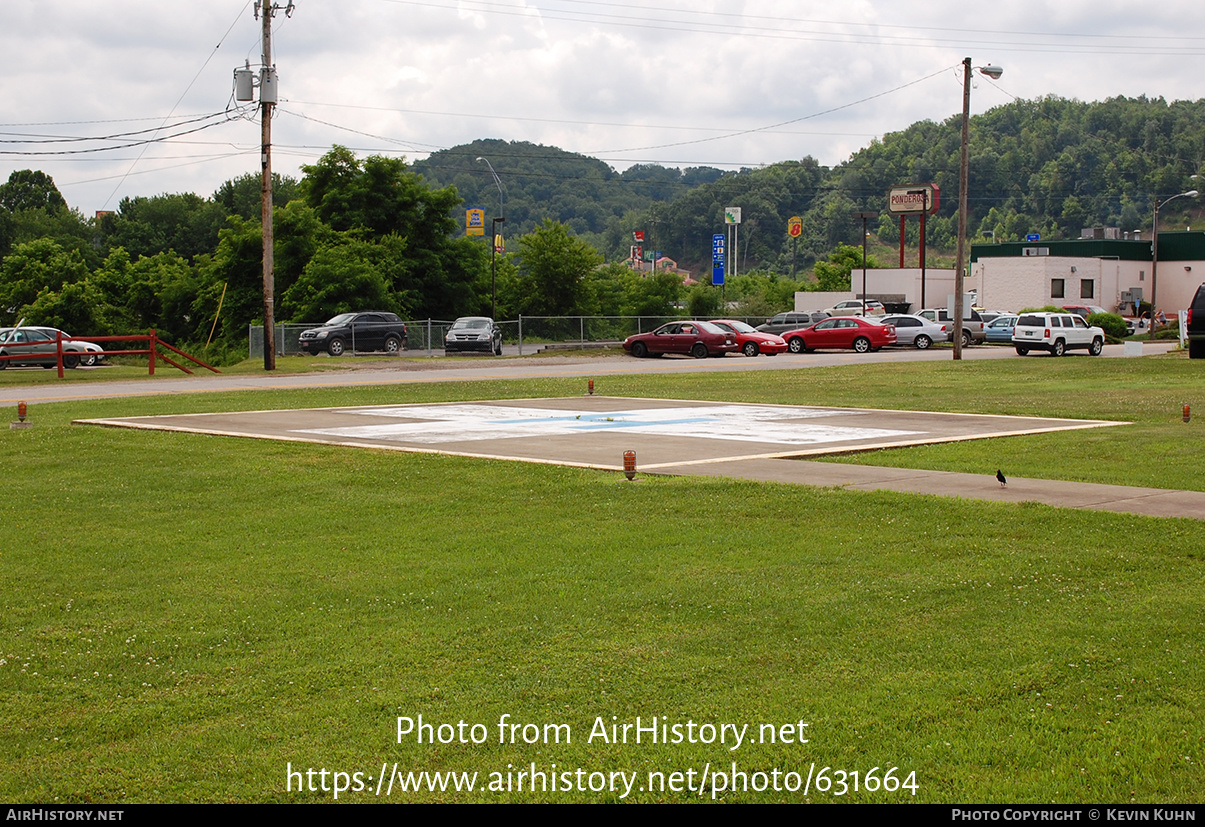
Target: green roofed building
[1103, 268]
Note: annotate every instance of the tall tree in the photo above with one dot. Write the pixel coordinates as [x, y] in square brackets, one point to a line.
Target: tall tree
[379, 197]
[30, 189]
[553, 266]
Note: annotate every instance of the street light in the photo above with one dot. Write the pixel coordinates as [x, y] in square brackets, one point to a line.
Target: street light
[1155, 247]
[494, 239]
[864, 215]
[993, 72]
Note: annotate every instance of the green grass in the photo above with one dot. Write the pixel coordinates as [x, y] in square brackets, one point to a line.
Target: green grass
[185, 616]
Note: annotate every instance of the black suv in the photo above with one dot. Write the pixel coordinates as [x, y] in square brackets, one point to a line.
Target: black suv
[1196, 325]
[361, 332]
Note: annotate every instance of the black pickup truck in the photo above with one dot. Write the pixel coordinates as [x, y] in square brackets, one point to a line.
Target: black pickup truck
[1196, 325]
[375, 332]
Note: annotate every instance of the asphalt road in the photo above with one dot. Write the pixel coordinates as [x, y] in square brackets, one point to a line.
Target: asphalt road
[468, 368]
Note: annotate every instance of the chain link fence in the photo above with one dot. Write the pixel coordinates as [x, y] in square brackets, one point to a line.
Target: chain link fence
[530, 333]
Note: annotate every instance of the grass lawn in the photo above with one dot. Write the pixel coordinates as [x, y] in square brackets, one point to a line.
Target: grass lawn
[188, 618]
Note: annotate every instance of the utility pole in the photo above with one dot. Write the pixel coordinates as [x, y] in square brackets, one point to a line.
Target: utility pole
[265, 114]
[266, 11]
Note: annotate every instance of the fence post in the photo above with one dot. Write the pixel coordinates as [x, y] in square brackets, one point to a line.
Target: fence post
[58, 348]
[154, 343]
[428, 336]
[520, 334]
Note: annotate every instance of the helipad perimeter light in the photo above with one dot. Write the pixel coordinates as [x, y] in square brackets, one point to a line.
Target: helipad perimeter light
[21, 409]
[1187, 412]
[629, 464]
[591, 386]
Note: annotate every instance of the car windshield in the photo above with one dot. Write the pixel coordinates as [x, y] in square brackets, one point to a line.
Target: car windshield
[470, 324]
[710, 328]
[342, 318]
[740, 327]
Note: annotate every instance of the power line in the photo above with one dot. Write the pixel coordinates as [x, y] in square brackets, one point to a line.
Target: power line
[182, 94]
[126, 145]
[780, 31]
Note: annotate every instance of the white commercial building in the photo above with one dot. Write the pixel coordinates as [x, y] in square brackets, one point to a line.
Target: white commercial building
[1111, 272]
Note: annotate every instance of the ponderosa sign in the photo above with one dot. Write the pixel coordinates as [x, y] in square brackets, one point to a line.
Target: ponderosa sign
[914, 199]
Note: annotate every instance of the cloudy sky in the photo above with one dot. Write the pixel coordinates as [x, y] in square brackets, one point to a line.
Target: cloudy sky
[131, 97]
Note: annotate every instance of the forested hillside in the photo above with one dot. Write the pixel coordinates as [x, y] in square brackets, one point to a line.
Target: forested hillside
[1049, 166]
[543, 182]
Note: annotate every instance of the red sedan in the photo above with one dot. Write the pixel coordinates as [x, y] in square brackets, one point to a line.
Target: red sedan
[751, 341]
[697, 339]
[844, 332]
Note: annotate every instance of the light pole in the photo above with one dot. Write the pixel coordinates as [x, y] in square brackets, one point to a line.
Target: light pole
[865, 216]
[494, 239]
[494, 266]
[993, 72]
[1155, 248]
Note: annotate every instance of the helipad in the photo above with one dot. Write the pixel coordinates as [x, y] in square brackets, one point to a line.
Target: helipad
[594, 431]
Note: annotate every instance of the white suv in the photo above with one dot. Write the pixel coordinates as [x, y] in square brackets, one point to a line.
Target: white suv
[855, 307]
[1056, 333]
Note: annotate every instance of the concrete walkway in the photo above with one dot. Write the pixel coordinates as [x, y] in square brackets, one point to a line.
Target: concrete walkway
[1150, 502]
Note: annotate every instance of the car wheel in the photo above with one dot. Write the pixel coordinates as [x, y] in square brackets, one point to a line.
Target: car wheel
[1060, 348]
[1096, 347]
[699, 351]
[498, 348]
[966, 338]
[3, 362]
[335, 347]
[1022, 351]
[750, 349]
[796, 345]
[1196, 349]
[922, 342]
[640, 350]
[70, 361]
[862, 344]
[392, 345]
[89, 360]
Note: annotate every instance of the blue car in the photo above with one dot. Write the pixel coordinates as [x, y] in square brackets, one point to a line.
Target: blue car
[1000, 329]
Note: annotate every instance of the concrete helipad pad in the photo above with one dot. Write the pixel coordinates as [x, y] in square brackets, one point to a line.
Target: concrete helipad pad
[594, 431]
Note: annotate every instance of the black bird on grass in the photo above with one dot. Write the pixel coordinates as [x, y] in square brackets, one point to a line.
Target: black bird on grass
[1000, 477]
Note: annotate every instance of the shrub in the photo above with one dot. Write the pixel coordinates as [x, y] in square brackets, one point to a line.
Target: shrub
[1113, 325]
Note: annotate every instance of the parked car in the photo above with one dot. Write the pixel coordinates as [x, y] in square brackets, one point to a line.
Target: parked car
[370, 332]
[856, 307]
[478, 334]
[1084, 310]
[37, 346]
[92, 354]
[1056, 333]
[915, 331]
[843, 332]
[792, 320]
[1195, 329]
[751, 341]
[972, 323]
[697, 339]
[1000, 329]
